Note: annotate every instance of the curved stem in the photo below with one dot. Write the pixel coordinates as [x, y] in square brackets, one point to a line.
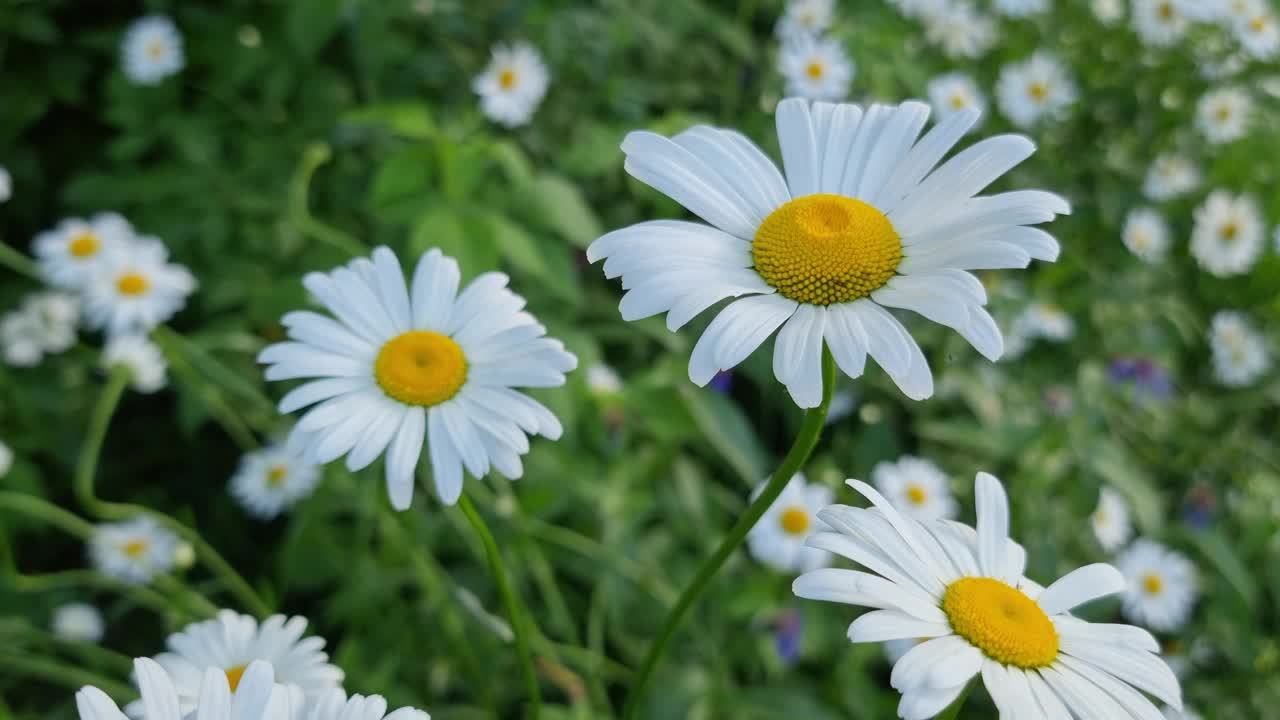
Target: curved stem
[515, 609]
[300, 215]
[48, 512]
[952, 712]
[805, 441]
[19, 263]
[63, 674]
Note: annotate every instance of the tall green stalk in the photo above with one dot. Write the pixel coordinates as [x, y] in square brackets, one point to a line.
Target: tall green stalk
[805, 441]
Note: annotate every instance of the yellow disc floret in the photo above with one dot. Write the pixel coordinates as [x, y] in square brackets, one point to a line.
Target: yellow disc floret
[1002, 622]
[824, 249]
[84, 245]
[917, 495]
[233, 676]
[1152, 584]
[421, 367]
[132, 284]
[507, 79]
[794, 521]
[135, 549]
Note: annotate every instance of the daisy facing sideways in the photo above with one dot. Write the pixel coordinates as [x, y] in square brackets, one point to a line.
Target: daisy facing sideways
[777, 540]
[866, 218]
[400, 366]
[1110, 520]
[964, 591]
[1160, 585]
[513, 85]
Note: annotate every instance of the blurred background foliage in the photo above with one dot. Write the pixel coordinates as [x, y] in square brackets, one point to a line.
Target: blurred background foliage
[304, 130]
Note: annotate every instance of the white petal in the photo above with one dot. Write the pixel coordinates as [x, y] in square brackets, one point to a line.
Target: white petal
[924, 156]
[159, 698]
[797, 355]
[881, 625]
[832, 585]
[900, 130]
[735, 333]
[391, 287]
[834, 153]
[720, 151]
[446, 466]
[889, 344]
[402, 457]
[847, 339]
[993, 525]
[435, 285]
[799, 147]
[215, 696]
[1081, 586]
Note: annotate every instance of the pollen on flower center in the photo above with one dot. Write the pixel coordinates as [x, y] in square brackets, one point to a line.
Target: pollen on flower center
[1037, 91]
[85, 245]
[134, 549]
[916, 495]
[1229, 231]
[1152, 584]
[276, 475]
[155, 50]
[823, 249]
[233, 676]
[794, 521]
[421, 367]
[507, 79]
[1166, 11]
[1002, 622]
[814, 70]
[958, 102]
[132, 284]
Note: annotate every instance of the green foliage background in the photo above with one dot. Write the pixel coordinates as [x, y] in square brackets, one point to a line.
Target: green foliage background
[303, 130]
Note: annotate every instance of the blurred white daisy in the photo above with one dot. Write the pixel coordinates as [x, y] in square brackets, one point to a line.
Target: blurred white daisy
[777, 539]
[960, 30]
[953, 92]
[406, 365]
[71, 253]
[512, 85]
[45, 323]
[916, 487]
[272, 479]
[1160, 586]
[1240, 355]
[1146, 234]
[1108, 12]
[1020, 8]
[805, 18]
[866, 219]
[21, 339]
[133, 550]
[1223, 115]
[1110, 520]
[1036, 88]
[603, 380]
[136, 289]
[152, 50]
[1258, 31]
[259, 698]
[965, 591]
[1159, 23]
[816, 68]
[231, 643]
[1227, 237]
[335, 705]
[6, 459]
[920, 9]
[6, 185]
[146, 364]
[1171, 175]
[1046, 321]
[78, 622]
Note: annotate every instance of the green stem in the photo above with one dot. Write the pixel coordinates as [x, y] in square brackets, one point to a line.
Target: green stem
[300, 215]
[62, 674]
[515, 609]
[807, 439]
[96, 435]
[19, 263]
[952, 712]
[48, 512]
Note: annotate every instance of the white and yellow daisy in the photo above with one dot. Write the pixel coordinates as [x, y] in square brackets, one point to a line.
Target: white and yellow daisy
[152, 50]
[959, 30]
[72, 253]
[231, 644]
[78, 622]
[916, 487]
[259, 697]
[777, 540]
[1020, 8]
[272, 479]
[403, 365]
[133, 550]
[1223, 115]
[1159, 23]
[603, 381]
[1146, 234]
[865, 219]
[965, 591]
[805, 18]
[1037, 88]
[335, 705]
[513, 84]
[816, 68]
[1110, 520]
[1240, 355]
[1171, 175]
[1258, 31]
[1227, 238]
[136, 289]
[953, 92]
[6, 459]
[1108, 12]
[146, 364]
[1160, 586]
[1044, 321]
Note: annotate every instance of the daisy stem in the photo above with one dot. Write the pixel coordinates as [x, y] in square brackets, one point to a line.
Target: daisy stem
[515, 609]
[48, 512]
[806, 440]
[18, 262]
[300, 215]
[952, 712]
[63, 674]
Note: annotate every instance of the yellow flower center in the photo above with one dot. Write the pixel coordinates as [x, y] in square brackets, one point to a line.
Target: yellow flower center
[794, 521]
[1152, 584]
[824, 249]
[958, 102]
[233, 676]
[1140, 240]
[155, 50]
[916, 495]
[421, 367]
[1230, 231]
[1223, 113]
[135, 548]
[814, 70]
[1259, 23]
[1166, 11]
[1002, 622]
[85, 245]
[1038, 91]
[132, 284]
[276, 475]
[507, 79]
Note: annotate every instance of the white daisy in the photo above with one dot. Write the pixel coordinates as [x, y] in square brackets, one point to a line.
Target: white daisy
[1044, 320]
[777, 540]
[1159, 23]
[960, 30]
[953, 92]
[1111, 520]
[258, 699]
[401, 366]
[920, 9]
[1108, 12]
[1160, 586]
[816, 68]
[1036, 88]
[136, 289]
[6, 185]
[57, 313]
[78, 622]
[603, 380]
[1171, 175]
[231, 644]
[1146, 234]
[335, 705]
[916, 487]
[1223, 114]
[865, 219]
[73, 252]
[134, 550]
[1227, 237]
[1020, 8]
[6, 459]
[272, 479]
[965, 591]
[152, 50]
[805, 18]
[513, 84]
[21, 339]
[1239, 353]
[1258, 32]
[147, 366]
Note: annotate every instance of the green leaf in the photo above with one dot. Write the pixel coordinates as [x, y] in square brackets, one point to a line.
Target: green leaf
[557, 204]
[408, 119]
[403, 183]
[457, 233]
[1223, 560]
[311, 23]
[727, 428]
